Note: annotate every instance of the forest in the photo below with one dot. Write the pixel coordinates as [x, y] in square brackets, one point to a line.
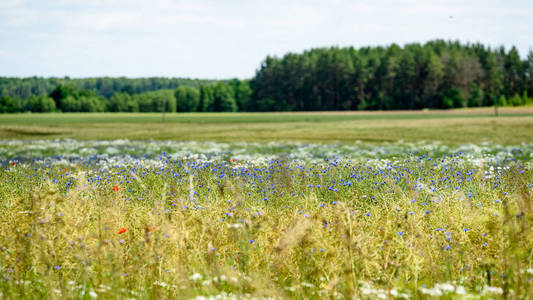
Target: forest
[437, 75]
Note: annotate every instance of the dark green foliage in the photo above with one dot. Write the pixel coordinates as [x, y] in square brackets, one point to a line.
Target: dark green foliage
[516, 100]
[153, 101]
[41, 104]
[242, 93]
[70, 104]
[61, 92]
[128, 89]
[525, 99]
[223, 99]
[266, 104]
[68, 98]
[451, 98]
[501, 100]
[92, 104]
[528, 72]
[206, 98]
[101, 86]
[10, 105]
[122, 102]
[438, 74]
[188, 99]
[476, 97]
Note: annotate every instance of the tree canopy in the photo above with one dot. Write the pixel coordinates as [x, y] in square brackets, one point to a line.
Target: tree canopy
[437, 74]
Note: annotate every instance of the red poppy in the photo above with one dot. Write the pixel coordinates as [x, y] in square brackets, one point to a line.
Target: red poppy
[13, 163]
[233, 159]
[116, 188]
[122, 230]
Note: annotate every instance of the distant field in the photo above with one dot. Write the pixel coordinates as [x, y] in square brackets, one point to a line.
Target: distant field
[513, 126]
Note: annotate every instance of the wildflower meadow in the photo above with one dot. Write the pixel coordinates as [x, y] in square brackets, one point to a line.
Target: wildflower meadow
[203, 220]
[217, 150]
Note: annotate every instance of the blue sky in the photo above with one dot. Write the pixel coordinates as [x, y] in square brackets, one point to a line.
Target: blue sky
[230, 38]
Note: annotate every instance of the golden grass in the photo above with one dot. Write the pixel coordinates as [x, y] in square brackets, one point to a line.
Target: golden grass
[59, 244]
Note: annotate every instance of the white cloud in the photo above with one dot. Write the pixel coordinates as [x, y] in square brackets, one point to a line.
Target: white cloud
[215, 38]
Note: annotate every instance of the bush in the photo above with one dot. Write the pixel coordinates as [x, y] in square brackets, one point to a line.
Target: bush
[119, 102]
[9, 105]
[516, 100]
[502, 101]
[525, 99]
[451, 98]
[153, 101]
[91, 104]
[70, 104]
[41, 104]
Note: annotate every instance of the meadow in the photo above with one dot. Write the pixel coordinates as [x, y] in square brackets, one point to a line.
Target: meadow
[253, 206]
[514, 126]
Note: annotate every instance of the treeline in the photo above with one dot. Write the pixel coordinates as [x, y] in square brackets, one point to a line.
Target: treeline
[102, 86]
[230, 96]
[438, 74]
[223, 96]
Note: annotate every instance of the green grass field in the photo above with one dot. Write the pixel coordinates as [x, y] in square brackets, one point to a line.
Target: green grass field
[514, 126]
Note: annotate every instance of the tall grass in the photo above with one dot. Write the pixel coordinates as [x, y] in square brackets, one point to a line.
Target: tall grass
[335, 229]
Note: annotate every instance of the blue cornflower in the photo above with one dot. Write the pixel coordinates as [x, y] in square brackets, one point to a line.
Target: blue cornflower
[447, 247]
[252, 241]
[400, 233]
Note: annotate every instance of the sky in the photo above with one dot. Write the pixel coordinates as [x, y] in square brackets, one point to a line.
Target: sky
[217, 39]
